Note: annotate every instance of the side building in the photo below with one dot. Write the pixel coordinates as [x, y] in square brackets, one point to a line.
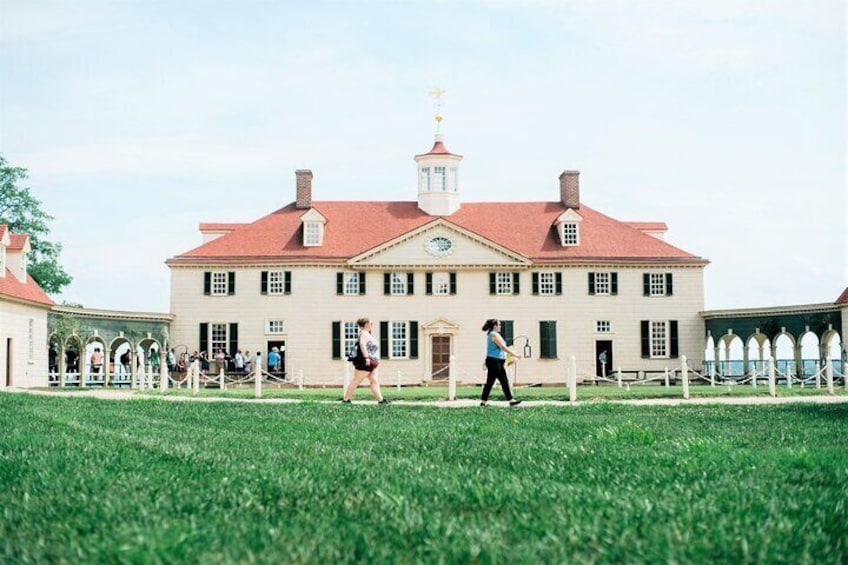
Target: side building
[566, 280]
[23, 316]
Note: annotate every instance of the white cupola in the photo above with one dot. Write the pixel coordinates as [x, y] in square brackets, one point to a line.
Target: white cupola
[438, 175]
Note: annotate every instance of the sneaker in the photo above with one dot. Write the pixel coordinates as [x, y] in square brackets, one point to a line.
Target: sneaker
[384, 401]
[345, 401]
[484, 403]
[514, 402]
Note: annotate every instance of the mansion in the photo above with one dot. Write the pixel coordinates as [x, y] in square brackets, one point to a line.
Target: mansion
[565, 279]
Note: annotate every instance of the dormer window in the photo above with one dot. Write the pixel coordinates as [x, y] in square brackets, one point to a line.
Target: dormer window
[425, 178]
[313, 234]
[569, 234]
[313, 228]
[568, 228]
[439, 179]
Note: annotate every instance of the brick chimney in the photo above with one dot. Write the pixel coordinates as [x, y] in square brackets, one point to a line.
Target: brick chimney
[304, 188]
[569, 189]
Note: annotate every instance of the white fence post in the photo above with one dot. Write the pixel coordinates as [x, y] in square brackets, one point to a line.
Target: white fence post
[754, 378]
[771, 380]
[195, 373]
[452, 378]
[163, 377]
[221, 383]
[257, 381]
[666, 378]
[398, 379]
[828, 376]
[618, 377]
[572, 380]
[300, 380]
[818, 375]
[788, 376]
[685, 373]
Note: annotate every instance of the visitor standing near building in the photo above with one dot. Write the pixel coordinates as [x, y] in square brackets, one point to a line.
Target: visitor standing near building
[172, 361]
[248, 362]
[365, 363]
[220, 361]
[238, 360]
[125, 361]
[154, 359]
[96, 360]
[274, 359]
[496, 352]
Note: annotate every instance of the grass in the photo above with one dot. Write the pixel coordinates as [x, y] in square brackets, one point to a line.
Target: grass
[87, 480]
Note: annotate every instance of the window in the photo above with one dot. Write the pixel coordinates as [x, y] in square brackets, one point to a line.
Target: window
[218, 335]
[425, 179]
[454, 179]
[351, 333]
[547, 283]
[659, 339]
[350, 283]
[657, 284]
[397, 340]
[441, 284]
[603, 326]
[312, 233]
[547, 339]
[275, 327]
[219, 283]
[603, 283]
[279, 282]
[438, 179]
[398, 284]
[569, 234]
[31, 341]
[503, 283]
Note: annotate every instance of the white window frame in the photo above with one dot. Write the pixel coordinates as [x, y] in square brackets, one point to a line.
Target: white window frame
[216, 330]
[603, 326]
[569, 233]
[453, 179]
[219, 283]
[351, 283]
[656, 284]
[313, 234]
[397, 284]
[547, 283]
[398, 340]
[439, 179]
[603, 283]
[441, 284]
[275, 327]
[350, 333]
[658, 333]
[276, 282]
[503, 283]
[425, 179]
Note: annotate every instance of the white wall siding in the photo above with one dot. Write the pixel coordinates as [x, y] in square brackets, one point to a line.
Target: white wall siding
[26, 370]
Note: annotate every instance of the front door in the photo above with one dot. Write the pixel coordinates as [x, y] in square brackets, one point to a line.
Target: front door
[603, 358]
[441, 357]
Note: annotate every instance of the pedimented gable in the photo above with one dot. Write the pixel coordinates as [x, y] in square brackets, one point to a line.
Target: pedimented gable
[436, 244]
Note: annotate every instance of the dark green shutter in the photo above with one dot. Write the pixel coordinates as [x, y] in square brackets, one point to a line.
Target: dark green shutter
[413, 339]
[591, 283]
[207, 283]
[493, 287]
[506, 331]
[387, 283]
[516, 283]
[337, 340]
[263, 288]
[287, 283]
[558, 278]
[231, 283]
[673, 342]
[384, 340]
[428, 283]
[204, 337]
[453, 283]
[339, 283]
[410, 283]
[547, 339]
[646, 284]
[613, 283]
[233, 338]
[535, 283]
[362, 282]
[646, 338]
[668, 285]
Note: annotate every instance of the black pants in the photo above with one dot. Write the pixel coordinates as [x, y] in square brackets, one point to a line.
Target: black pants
[497, 371]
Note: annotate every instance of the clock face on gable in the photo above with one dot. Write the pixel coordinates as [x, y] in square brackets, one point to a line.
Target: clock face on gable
[439, 246]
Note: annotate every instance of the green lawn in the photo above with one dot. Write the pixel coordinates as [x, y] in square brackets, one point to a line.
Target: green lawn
[88, 480]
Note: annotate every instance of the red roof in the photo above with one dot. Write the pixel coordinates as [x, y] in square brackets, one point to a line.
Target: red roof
[352, 228]
[438, 149]
[18, 240]
[218, 226]
[10, 286]
[843, 298]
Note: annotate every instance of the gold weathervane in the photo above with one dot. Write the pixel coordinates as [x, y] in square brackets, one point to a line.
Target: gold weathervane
[436, 94]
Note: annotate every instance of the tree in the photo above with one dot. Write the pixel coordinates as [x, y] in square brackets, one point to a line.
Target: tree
[23, 213]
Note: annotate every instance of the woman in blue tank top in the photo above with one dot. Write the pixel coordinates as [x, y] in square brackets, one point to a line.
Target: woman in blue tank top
[496, 351]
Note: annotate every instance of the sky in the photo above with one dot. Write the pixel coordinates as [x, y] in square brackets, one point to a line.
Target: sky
[726, 119]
